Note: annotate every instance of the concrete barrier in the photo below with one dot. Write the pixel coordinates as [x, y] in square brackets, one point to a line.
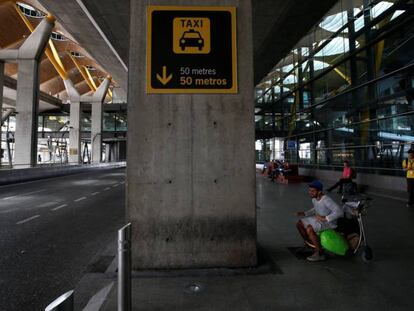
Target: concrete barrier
[13, 176]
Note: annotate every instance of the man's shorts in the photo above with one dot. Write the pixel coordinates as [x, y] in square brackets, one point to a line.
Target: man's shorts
[316, 224]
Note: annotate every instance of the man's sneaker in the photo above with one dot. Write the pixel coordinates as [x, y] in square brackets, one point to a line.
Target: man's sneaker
[316, 257]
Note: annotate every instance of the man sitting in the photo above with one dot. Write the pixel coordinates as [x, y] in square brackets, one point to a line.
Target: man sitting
[322, 216]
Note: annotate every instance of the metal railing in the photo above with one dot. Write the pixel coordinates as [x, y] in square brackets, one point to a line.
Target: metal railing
[66, 301]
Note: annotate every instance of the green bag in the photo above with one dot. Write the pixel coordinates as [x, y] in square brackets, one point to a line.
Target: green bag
[334, 242]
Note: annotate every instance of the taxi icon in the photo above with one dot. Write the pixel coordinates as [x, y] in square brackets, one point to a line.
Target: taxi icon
[191, 38]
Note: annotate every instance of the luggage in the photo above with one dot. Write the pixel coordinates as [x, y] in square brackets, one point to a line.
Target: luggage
[334, 242]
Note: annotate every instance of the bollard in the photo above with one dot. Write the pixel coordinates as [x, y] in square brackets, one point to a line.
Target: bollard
[62, 303]
[124, 268]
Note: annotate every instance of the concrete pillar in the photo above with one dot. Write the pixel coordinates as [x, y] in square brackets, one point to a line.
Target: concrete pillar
[75, 116]
[191, 172]
[97, 119]
[107, 153]
[27, 101]
[96, 131]
[96, 101]
[115, 152]
[1, 100]
[75, 133]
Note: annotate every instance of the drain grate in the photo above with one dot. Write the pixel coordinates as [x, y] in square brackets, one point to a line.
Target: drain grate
[194, 288]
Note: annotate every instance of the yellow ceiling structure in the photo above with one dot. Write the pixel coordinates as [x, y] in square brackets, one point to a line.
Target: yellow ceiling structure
[64, 57]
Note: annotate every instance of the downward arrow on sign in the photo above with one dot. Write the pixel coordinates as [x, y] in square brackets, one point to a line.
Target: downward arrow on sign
[164, 79]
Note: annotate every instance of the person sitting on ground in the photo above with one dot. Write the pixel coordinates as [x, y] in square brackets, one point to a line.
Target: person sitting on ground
[286, 170]
[322, 216]
[346, 177]
[275, 170]
[408, 166]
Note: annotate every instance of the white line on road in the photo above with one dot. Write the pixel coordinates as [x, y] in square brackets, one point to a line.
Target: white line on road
[122, 182]
[95, 193]
[80, 199]
[59, 207]
[116, 185]
[23, 194]
[27, 219]
[107, 188]
[99, 298]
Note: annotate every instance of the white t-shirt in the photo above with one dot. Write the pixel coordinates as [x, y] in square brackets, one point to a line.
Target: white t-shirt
[326, 207]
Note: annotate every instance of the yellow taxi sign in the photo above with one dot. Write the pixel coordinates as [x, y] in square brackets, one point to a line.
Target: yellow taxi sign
[191, 50]
[191, 35]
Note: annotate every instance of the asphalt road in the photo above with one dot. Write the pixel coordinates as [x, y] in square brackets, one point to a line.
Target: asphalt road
[51, 230]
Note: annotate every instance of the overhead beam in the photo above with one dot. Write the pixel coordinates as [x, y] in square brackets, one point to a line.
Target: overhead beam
[50, 52]
[88, 74]
[343, 75]
[82, 72]
[11, 83]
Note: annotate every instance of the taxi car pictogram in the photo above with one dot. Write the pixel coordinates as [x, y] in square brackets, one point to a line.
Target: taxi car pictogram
[191, 38]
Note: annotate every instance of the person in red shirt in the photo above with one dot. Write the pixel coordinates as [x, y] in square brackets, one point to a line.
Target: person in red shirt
[346, 178]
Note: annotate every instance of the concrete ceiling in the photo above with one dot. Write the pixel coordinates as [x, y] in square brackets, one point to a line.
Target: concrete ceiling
[102, 28]
[14, 31]
[278, 25]
[103, 44]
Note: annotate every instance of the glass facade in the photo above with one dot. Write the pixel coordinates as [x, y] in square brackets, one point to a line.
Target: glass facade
[53, 136]
[346, 91]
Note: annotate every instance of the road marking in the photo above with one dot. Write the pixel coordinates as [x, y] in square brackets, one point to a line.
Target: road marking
[59, 207]
[99, 298]
[122, 182]
[112, 268]
[80, 199]
[27, 219]
[24, 194]
[47, 204]
[95, 193]
[116, 185]
[107, 188]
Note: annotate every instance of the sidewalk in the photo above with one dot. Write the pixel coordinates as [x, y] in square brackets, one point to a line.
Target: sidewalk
[286, 282]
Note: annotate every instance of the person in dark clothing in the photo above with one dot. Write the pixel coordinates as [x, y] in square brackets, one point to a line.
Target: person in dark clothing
[286, 169]
[275, 170]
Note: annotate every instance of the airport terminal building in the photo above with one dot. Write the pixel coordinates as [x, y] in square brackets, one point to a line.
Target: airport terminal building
[203, 128]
